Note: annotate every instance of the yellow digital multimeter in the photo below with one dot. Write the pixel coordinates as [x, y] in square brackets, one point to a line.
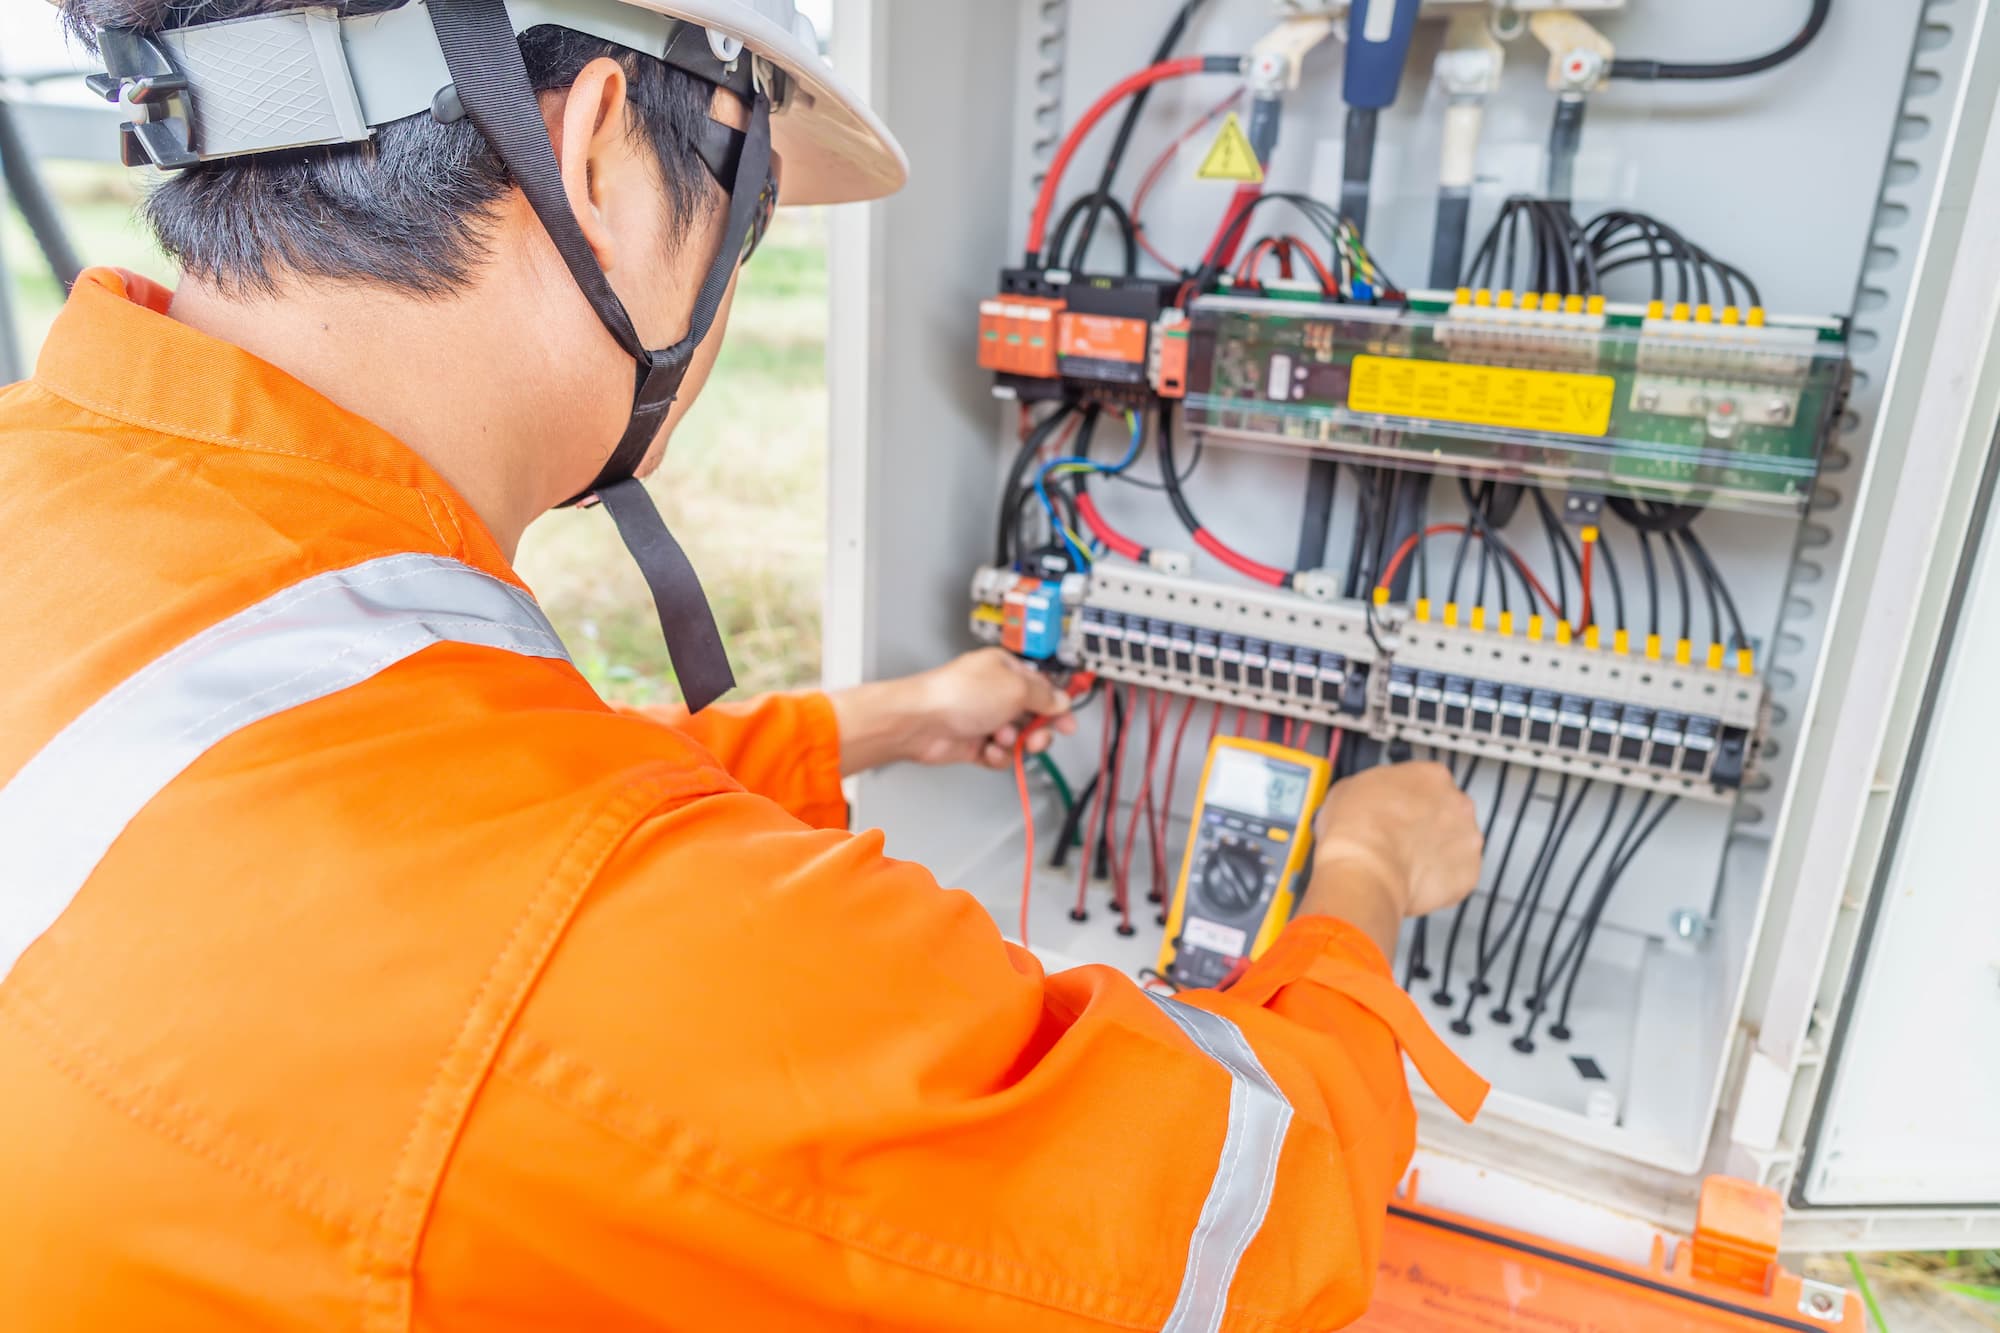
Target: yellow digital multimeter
[1247, 843]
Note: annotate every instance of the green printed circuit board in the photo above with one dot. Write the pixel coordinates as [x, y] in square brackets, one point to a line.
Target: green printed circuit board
[1603, 399]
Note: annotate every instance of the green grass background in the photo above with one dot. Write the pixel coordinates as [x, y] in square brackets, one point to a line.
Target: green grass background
[743, 486]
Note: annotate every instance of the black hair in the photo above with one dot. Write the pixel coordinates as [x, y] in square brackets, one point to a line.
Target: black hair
[409, 209]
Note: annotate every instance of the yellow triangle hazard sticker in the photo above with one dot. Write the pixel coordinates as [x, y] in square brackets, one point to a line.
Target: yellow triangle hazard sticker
[1230, 157]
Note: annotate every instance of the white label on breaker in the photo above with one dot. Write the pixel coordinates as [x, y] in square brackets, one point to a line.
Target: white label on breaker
[1225, 940]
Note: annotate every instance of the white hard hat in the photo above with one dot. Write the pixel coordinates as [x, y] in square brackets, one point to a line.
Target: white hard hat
[302, 78]
[836, 150]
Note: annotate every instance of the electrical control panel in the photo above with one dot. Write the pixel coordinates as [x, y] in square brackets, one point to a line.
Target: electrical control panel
[1728, 408]
[1632, 503]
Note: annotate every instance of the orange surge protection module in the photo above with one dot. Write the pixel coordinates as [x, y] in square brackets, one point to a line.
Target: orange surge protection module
[1442, 1273]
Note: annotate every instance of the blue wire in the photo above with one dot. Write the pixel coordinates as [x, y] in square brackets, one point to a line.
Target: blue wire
[1084, 464]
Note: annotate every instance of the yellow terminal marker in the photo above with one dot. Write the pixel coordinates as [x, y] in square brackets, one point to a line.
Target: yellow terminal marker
[1424, 609]
[1595, 305]
[1482, 297]
[1381, 595]
[1652, 647]
[1505, 300]
[1704, 313]
[1621, 643]
[1680, 312]
[1535, 628]
[1573, 305]
[1591, 638]
[1464, 296]
[1530, 302]
[1451, 613]
[1552, 301]
[1756, 317]
[1507, 623]
[1562, 631]
[1746, 662]
[1715, 655]
[1656, 310]
[1731, 315]
[1683, 653]
[1479, 617]
[1589, 534]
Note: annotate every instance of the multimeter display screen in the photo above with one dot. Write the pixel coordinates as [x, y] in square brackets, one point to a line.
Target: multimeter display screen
[1257, 785]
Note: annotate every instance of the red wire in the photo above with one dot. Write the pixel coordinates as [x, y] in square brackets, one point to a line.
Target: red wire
[1214, 725]
[1410, 544]
[1120, 544]
[1237, 561]
[1038, 223]
[1028, 834]
[1090, 818]
[1163, 811]
[1159, 169]
[1583, 572]
[1222, 250]
[1288, 732]
[1242, 722]
[1143, 805]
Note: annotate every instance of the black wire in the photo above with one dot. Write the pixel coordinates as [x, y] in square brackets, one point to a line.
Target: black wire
[1532, 894]
[1733, 69]
[1708, 589]
[1443, 996]
[1537, 998]
[1652, 584]
[1603, 895]
[1552, 529]
[1610, 563]
[1681, 582]
[1006, 553]
[1700, 554]
[1123, 139]
[1118, 215]
[1463, 1025]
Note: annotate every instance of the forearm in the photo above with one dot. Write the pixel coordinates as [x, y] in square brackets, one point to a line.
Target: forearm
[880, 723]
[1356, 890]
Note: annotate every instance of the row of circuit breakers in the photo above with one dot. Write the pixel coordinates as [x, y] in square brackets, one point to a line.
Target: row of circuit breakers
[1569, 707]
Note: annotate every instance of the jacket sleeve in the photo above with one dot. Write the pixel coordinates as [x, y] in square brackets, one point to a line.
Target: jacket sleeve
[834, 1097]
[784, 747]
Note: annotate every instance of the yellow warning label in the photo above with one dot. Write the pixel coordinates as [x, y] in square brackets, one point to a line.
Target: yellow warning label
[1230, 157]
[1547, 400]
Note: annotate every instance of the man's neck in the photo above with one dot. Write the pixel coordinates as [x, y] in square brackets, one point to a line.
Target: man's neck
[458, 381]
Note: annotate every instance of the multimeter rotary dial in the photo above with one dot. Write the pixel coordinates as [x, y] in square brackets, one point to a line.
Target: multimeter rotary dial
[1232, 879]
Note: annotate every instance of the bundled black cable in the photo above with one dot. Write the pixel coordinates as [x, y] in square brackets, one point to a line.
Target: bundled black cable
[1099, 198]
[1650, 70]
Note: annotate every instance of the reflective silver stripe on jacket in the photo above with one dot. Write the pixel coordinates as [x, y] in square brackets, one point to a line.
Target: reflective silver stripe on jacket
[1245, 1177]
[60, 814]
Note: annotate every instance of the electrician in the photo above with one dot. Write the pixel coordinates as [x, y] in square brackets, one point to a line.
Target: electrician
[361, 969]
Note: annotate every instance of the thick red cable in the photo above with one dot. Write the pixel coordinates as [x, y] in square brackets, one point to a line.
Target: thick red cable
[1045, 202]
[1120, 544]
[1237, 561]
[1028, 831]
[1235, 222]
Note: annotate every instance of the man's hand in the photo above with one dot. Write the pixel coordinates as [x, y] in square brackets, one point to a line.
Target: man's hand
[1396, 841]
[970, 710]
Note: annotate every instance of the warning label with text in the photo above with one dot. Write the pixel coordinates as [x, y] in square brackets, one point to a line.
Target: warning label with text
[1511, 399]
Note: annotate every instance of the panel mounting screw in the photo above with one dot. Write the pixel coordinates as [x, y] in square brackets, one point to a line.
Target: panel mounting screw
[1688, 924]
[1649, 399]
[1778, 410]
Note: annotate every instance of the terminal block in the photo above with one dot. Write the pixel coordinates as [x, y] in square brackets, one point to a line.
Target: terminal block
[1683, 729]
[1728, 409]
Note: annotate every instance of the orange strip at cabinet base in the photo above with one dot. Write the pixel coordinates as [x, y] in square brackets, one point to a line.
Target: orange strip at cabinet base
[1443, 1273]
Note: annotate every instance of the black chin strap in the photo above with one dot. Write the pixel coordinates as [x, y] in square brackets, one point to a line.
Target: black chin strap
[484, 57]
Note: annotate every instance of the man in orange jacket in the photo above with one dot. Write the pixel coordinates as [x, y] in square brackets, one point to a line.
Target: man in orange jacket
[361, 969]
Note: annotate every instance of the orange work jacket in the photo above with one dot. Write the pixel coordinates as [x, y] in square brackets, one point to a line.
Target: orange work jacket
[361, 969]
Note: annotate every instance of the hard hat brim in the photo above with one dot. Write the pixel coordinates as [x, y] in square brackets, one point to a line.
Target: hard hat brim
[835, 149]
